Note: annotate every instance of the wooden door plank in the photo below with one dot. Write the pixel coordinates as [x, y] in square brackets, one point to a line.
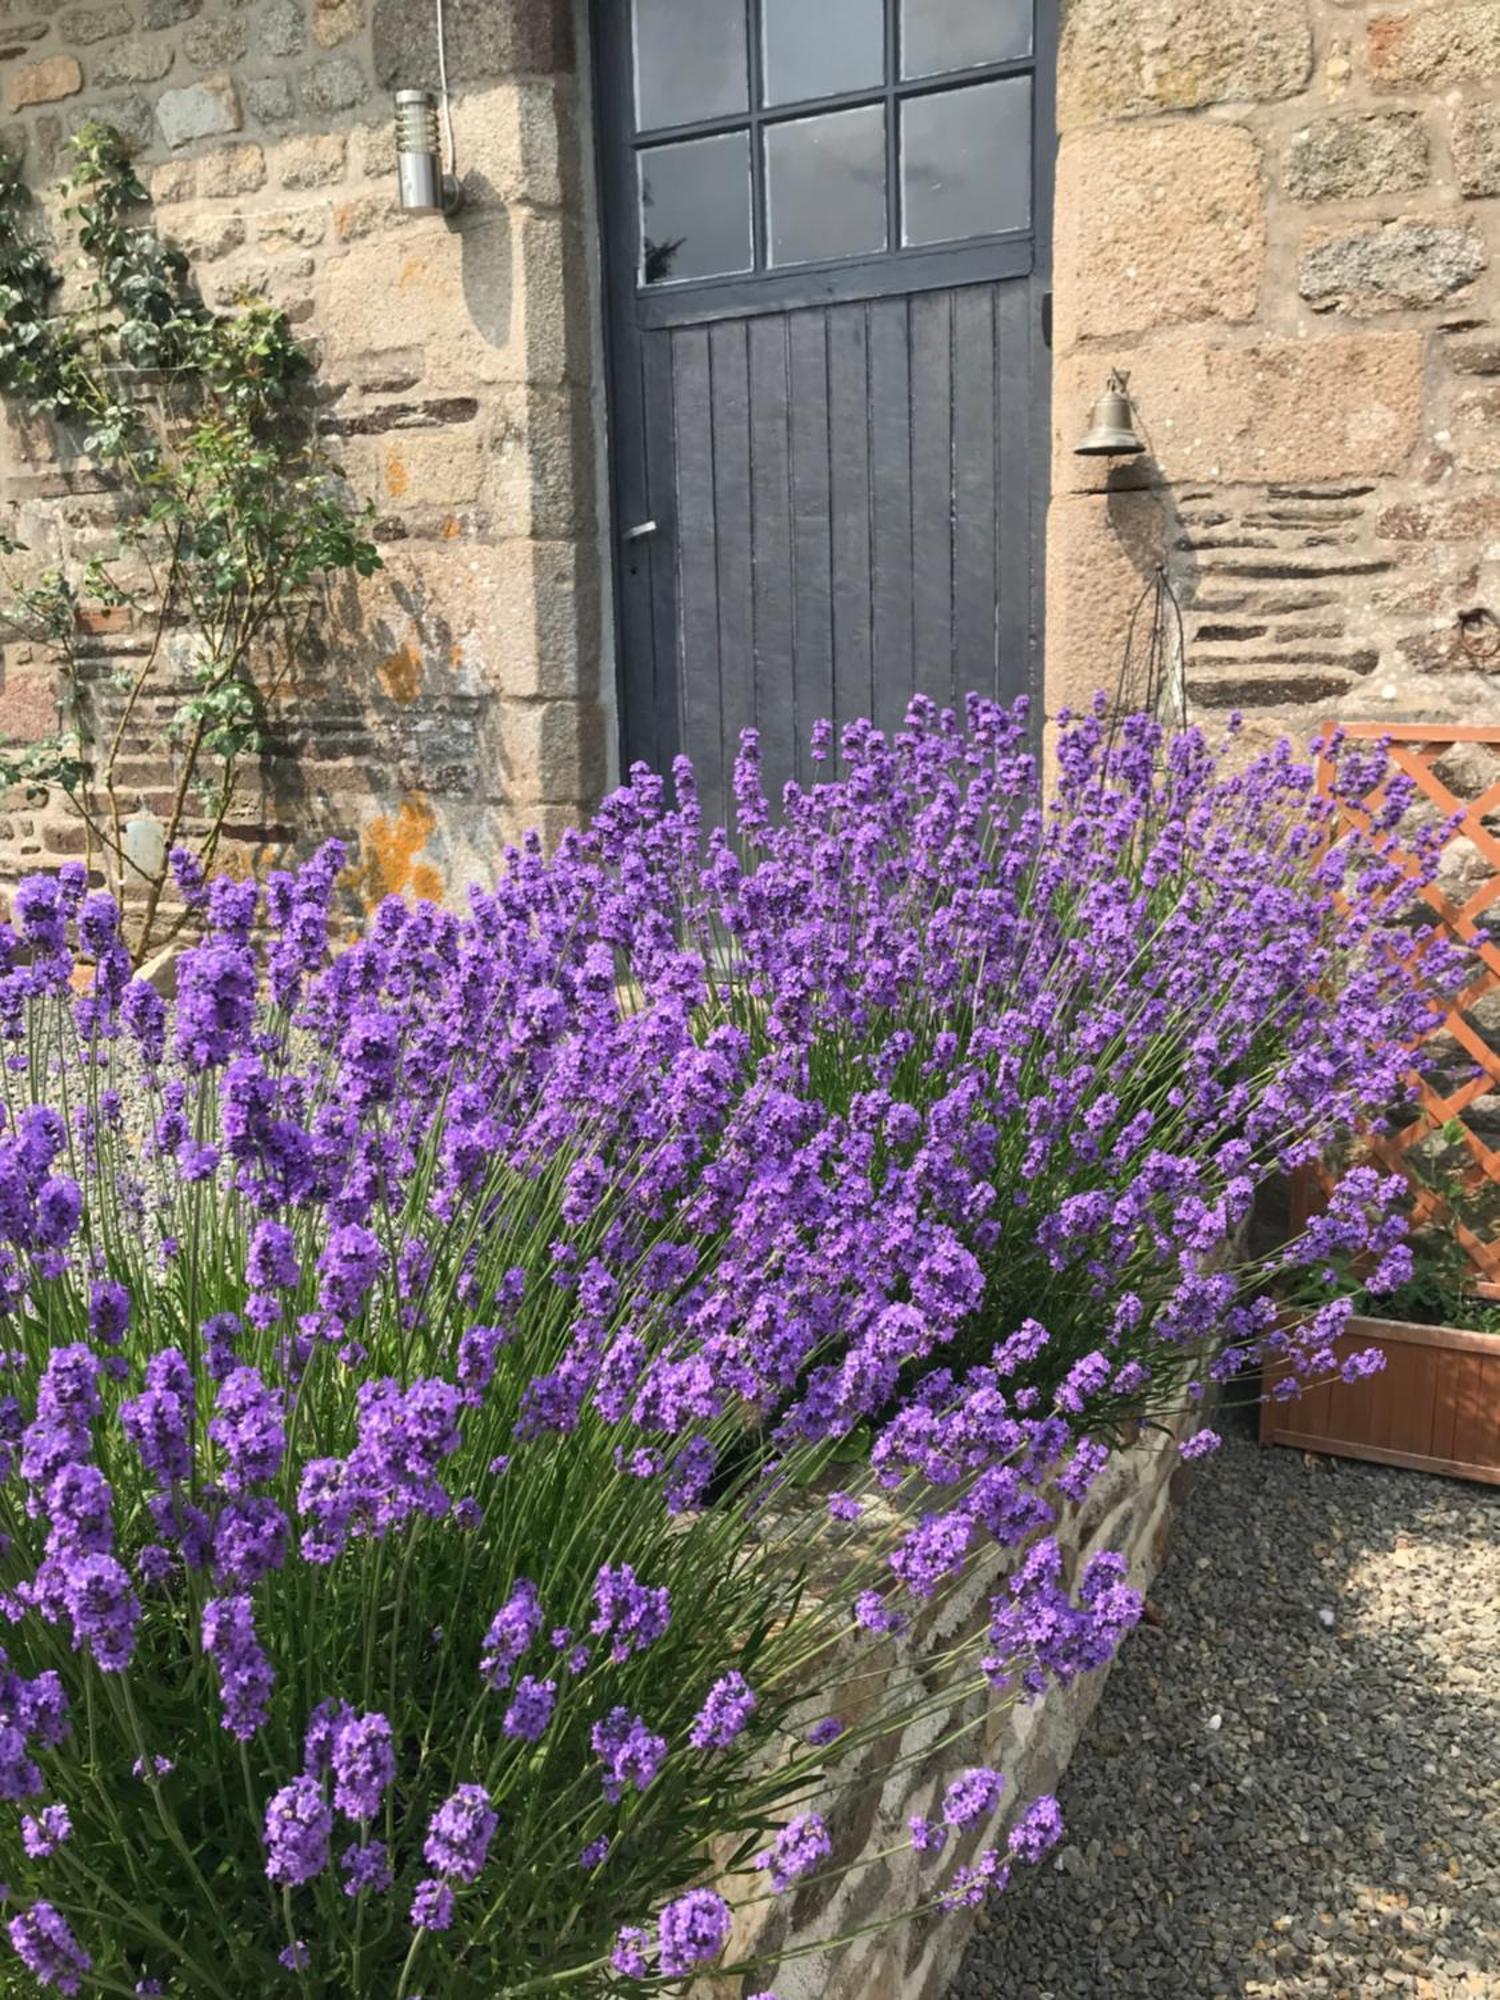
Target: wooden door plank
[849, 499]
[729, 356]
[892, 596]
[776, 710]
[655, 636]
[812, 528]
[932, 490]
[697, 565]
[1015, 498]
[975, 475]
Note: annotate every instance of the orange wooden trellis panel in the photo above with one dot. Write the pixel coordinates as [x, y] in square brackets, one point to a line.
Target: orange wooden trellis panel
[1416, 749]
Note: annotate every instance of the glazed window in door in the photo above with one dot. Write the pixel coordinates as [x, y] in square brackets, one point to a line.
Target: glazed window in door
[828, 235]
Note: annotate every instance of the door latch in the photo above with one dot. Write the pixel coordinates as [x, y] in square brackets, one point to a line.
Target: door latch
[640, 531]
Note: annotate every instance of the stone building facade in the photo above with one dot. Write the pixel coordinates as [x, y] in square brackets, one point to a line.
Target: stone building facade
[461, 695]
[1280, 215]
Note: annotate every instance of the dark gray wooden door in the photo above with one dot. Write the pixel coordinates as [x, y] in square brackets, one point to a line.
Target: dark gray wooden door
[827, 234]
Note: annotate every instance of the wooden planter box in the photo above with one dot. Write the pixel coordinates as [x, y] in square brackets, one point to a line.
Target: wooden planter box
[1435, 1406]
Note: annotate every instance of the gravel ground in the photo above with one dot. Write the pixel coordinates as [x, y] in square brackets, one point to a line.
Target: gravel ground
[1291, 1787]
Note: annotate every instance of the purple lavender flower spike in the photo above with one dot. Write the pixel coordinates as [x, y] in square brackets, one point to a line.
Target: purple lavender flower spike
[972, 1886]
[972, 1796]
[109, 1311]
[530, 1708]
[44, 1832]
[801, 1847]
[629, 1613]
[512, 1630]
[459, 1834]
[725, 1714]
[215, 1003]
[364, 1764]
[692, 1930]
[299, 1825]
[1038, 1830]
[44, 1942]
[628, 1957]
[366, 1869]
[630, 1752]
[248, 1428]
[104, 1609]
[432, 1906]
[246, 1676]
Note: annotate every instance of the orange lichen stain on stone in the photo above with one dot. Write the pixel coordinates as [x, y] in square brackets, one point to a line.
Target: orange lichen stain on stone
[388, 864]
[1387, 38]
[400, 673]
[397, 478]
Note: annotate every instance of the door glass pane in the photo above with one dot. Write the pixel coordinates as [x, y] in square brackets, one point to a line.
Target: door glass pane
[695, 209]
[690, 61]
[825, 185]
[938, 35]
[817, 48]
[966, 161]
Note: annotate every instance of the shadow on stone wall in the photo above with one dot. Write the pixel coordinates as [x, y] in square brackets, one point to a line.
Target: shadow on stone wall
[1141, 512]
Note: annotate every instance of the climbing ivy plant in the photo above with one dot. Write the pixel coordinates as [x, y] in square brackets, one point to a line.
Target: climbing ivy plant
[231, 522]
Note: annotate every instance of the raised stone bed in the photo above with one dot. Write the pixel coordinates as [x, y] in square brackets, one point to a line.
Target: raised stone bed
[1128, 1510]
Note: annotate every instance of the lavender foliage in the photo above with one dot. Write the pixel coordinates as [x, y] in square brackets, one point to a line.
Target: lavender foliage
[427, 1358]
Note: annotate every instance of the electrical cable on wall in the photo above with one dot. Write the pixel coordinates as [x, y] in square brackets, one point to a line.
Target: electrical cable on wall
[451, 172]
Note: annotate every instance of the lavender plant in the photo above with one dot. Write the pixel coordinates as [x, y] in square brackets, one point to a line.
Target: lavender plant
[470, 1391]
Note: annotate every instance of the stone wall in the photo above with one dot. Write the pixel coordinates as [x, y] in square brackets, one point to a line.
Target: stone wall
[1282, 216]
[1129, 1509]
[457, 698]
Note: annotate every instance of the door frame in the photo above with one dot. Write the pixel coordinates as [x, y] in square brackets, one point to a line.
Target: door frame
[643, 620]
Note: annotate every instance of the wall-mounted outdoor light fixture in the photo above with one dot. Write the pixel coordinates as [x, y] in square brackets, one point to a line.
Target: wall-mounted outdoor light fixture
[426, 187]
[1112, 432]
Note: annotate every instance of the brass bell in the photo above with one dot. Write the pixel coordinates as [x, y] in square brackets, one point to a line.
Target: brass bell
[1112, 432]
